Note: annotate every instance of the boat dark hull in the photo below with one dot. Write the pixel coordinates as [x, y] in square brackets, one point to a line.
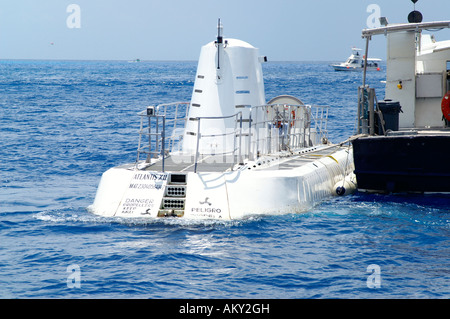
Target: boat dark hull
[411, 163]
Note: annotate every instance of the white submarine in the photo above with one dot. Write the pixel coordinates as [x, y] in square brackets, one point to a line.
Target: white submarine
[227, 154]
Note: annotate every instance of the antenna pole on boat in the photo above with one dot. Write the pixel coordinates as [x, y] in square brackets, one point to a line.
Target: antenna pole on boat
[365, 59]
[219, 41]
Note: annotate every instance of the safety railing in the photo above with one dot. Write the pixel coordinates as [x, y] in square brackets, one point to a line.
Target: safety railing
[236, 135]
[162, 126]
[369, 115]
[257, 131]
[284, 127]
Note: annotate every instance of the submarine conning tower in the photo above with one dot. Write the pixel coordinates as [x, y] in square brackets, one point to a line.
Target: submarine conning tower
[229, 81]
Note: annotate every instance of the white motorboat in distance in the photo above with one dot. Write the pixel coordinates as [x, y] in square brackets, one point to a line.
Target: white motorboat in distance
[355, 62]
[227, 154]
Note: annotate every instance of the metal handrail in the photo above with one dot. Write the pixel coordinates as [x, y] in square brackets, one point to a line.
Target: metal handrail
[199, 136]
[167, 118]
[296, 124]
[368, 112]
[320, 122]
[288, 127]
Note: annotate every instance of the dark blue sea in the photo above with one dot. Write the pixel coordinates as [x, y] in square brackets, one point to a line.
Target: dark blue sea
[63, 123]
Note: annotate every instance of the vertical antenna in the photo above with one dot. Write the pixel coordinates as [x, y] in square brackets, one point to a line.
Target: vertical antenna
[219, 41]
[219, 32]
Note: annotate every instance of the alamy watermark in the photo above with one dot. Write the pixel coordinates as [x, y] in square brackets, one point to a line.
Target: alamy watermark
[374, 279]
[74, 278]
[373, 20]
[73, 21]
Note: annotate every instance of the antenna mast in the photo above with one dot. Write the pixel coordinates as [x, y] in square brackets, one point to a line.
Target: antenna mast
[219, 41]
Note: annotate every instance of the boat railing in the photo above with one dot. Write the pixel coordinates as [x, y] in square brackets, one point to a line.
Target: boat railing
[319, 115]
[285, 127]
[369, 116]
[257, 130]
[235, 152]
[162, 126]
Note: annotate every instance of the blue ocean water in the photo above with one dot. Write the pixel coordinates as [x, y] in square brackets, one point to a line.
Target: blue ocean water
[63, 123]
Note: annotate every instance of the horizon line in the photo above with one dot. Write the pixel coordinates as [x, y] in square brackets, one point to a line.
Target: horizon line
[156, 60]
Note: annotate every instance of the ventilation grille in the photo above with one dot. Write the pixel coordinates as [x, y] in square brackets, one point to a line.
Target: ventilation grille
[175, 191]
[169, 203]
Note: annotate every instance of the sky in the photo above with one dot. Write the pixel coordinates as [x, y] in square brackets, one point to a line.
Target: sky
[283, 30]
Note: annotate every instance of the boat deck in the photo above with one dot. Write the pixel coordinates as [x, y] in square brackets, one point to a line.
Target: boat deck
[280, 161]
[305, 158]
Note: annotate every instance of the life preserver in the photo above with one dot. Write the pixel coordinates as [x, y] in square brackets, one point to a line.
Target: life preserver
[279, 124]
[445, 106]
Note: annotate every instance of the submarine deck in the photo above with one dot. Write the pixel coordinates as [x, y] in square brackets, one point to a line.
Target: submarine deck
[280, 161]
